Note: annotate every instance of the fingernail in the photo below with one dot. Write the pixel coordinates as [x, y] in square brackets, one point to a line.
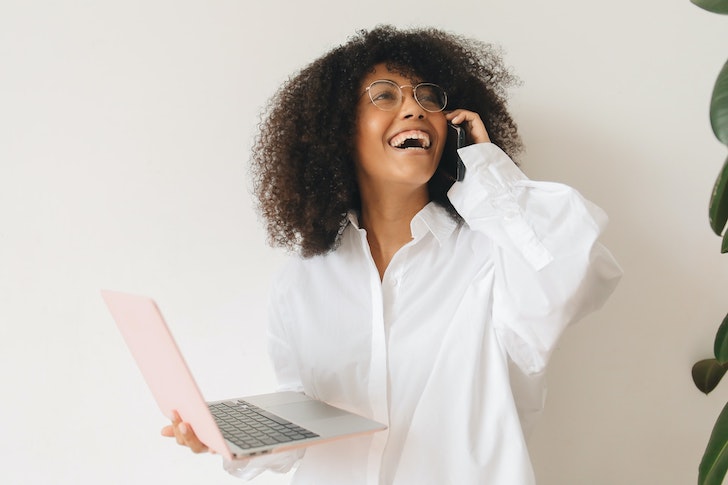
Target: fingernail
[183, 428]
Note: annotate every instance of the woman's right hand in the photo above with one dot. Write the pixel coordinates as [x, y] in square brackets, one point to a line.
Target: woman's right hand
[474, 127]
[184, 435]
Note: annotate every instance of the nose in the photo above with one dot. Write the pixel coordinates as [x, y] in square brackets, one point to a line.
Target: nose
[410, 107]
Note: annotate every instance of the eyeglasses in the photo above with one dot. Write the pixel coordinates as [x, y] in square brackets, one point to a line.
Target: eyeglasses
[387, 95]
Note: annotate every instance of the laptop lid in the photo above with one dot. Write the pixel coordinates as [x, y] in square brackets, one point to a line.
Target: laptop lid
[162, 365]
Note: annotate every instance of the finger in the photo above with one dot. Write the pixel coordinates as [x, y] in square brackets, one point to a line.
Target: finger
[184, 434]
[168, 431]
[474, 126]
[178, 433]
[191, 439]
[179, 436]
[176, 422]
[471, 121]
[459, 116]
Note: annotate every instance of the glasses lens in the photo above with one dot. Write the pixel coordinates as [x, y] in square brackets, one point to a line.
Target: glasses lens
[431, 97]
[385, 94]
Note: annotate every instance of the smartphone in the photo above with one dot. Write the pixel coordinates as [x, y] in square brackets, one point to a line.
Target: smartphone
[460, 170]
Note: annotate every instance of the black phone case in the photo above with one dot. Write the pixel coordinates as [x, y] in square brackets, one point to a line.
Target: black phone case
[460, 171]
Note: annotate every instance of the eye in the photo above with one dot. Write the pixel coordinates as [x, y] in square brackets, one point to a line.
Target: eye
[430, 97]
[386, 95]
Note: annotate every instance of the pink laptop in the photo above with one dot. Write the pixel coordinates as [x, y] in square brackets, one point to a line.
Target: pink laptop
[240, 427]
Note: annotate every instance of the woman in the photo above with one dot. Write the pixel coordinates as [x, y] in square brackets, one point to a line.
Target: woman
[426, 303]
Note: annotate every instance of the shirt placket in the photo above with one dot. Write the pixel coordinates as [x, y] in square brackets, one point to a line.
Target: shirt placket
[377, 390]
[391, 303]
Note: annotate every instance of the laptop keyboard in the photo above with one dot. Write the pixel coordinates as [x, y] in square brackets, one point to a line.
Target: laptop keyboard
[249, 426]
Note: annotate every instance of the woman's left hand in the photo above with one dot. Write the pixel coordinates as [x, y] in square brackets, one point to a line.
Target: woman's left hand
[184, 435]
[472, 123]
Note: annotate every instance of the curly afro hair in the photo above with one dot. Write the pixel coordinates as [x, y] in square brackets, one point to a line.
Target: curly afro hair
[303, 158]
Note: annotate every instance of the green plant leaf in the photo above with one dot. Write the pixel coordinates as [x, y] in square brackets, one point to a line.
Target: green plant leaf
[715, 6]
[720, 347]
[724, 244]
[707, 374]
[714, 464]
[719, 105]
[718, 209]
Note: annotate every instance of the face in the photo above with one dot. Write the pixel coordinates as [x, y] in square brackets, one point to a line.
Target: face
[401, 147]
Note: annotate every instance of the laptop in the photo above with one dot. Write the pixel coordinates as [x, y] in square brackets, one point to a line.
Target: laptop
[234, 428]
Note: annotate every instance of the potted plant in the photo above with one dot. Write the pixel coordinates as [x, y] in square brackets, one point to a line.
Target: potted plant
[707, 373]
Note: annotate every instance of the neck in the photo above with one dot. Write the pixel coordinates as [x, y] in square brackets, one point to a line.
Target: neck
[386, 217]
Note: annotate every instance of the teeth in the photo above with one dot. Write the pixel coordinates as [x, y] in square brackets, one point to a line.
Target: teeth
[398, 140]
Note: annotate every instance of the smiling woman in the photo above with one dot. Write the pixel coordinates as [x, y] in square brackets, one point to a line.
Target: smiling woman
[412, 287]
[398, 148]
[305, 144]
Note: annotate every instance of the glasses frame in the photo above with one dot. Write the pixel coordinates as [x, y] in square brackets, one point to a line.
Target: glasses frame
[401, 94]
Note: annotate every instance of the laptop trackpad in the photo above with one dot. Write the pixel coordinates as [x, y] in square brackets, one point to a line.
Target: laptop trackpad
[307, 411]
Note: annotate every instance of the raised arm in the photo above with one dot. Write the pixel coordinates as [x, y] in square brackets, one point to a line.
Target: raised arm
[551, 269]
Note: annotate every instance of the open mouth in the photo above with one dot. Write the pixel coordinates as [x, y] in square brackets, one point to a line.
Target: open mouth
[412, 139]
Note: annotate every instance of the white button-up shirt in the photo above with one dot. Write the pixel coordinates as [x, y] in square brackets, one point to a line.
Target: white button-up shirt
[449, 348]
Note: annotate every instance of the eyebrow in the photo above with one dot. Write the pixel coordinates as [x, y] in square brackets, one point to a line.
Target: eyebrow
[411, 83]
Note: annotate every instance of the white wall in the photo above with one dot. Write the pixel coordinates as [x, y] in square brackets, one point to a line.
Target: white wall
[124, 137]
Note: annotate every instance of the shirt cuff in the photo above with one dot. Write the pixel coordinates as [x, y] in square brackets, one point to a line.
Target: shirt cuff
[488, 200]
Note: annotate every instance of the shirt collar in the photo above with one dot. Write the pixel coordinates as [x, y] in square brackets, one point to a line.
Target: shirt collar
[353, 217]
[432, 218]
